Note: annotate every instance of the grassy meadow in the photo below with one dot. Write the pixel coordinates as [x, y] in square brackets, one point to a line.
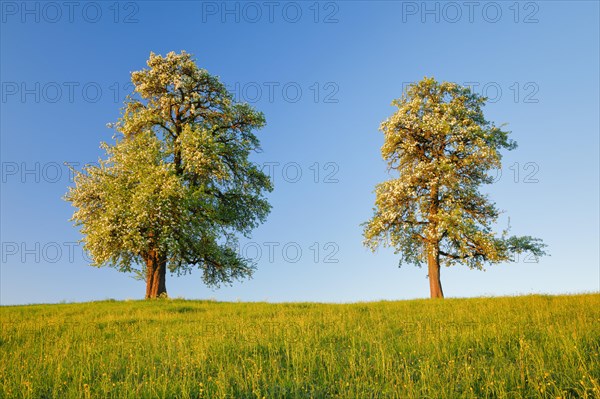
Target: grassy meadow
[509, 347]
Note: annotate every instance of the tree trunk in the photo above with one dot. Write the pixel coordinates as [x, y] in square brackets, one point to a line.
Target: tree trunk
[433, 263]
[156, 270]
[433, 245]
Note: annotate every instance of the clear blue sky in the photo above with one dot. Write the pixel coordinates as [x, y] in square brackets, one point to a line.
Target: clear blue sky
[324, 74]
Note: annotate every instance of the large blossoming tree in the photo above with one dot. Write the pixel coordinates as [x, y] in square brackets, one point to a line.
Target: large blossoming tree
[441, 149]
[177, 186]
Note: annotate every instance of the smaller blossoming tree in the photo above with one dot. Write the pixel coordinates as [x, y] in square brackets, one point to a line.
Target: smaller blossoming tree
[442, 147]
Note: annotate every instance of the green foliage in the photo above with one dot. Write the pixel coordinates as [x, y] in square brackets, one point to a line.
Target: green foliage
[178, 179]
[442, 148]
[513, 348]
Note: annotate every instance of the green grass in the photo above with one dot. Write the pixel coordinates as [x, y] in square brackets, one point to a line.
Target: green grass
[513, 347]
